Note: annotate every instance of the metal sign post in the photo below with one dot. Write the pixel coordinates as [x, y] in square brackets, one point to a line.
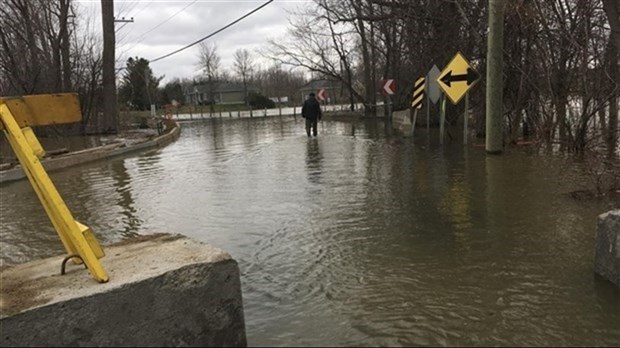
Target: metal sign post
[389, 98]
[16, 114]
[456, 79]
[442, 118]
[388, 88]
[466, 119]
[433, 92]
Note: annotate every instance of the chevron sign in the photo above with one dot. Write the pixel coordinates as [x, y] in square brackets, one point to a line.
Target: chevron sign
[388, 87]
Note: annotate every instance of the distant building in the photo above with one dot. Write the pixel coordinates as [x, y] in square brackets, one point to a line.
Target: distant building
[279, 100]
[223, 93]
[333, 89]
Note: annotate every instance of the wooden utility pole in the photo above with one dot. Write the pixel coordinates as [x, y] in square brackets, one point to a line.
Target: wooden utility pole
[109, 123]
[495, 109]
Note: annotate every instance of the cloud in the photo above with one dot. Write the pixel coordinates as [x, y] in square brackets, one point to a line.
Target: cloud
[161, 27]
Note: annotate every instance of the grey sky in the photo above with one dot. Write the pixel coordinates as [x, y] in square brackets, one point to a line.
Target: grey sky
[193, 20]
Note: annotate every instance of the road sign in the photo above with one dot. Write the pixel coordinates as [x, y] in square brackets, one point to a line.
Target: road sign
[321, 95]
[457, 78]
[418, 93]
[432, 88]
[16, 114]
[388, 87]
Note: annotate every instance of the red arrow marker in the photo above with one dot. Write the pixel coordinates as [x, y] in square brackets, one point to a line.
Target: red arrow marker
[388, 87]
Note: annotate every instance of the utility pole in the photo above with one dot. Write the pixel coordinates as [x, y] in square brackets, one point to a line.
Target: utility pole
[110, 113]
[123, 20]
[109, 122]
[495, 107]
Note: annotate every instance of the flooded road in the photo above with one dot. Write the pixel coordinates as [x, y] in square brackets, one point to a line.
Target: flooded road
[355, 238]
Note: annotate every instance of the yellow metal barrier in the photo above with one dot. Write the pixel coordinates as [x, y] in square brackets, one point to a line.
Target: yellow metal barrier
[17, 114]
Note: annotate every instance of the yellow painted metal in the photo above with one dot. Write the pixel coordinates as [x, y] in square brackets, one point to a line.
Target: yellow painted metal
[418, 93]
[76, 237]
[34, 143]
[91, 239]
[457, 78]
[44, 109]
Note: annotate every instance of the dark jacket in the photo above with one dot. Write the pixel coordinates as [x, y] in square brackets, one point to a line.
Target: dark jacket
[311, 109]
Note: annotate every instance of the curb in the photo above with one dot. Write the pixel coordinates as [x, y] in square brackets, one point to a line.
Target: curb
[93, 154]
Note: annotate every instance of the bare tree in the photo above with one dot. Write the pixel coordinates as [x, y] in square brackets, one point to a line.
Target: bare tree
[49, 47]
[244, 69]
[23, 57]
[209, 62]
[275, 81]
[320, 44]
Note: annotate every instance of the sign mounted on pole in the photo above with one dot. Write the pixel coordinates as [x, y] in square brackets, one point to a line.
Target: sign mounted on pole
[321, 95]
[388, 87]
[432, 88]
[418, 93]
[457, 78]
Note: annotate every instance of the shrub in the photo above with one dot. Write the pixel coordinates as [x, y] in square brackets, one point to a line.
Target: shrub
[259, 101]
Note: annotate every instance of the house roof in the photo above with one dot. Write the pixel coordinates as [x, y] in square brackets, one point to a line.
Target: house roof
[321, 84]
[221, 87]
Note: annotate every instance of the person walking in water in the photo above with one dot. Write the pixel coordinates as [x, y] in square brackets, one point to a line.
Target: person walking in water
[311, 111]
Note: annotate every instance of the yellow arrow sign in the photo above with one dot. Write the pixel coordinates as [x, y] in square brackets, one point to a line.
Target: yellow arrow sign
[457, 78]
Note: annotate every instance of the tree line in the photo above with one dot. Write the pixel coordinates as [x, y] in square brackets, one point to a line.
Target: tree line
[47, 48]
[560, 70]
[51, 46]
[140, 87]
[560, 58]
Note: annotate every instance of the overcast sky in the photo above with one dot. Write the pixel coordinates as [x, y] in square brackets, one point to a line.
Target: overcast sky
[163, 26]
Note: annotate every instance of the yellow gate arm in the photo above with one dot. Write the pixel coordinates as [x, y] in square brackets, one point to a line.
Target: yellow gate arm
[17, 115]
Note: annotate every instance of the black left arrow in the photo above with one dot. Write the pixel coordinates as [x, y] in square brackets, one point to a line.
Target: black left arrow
[471, 76]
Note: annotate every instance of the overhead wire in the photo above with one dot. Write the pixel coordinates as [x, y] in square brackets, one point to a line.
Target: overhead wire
[124, 36]
[142, 9]
[141, 37]
[213, 33]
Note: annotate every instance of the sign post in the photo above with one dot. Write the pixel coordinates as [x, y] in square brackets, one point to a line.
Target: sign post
[466, 119]
[388, 88]
[418, 98]
[442, 118]
[16, 115]
[433, 92]
[456, 79]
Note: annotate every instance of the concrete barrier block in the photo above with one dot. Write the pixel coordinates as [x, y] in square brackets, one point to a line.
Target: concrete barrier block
[164, 290]
[607, 255]
[401, 120]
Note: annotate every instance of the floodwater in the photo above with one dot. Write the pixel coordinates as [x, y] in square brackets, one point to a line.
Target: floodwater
[356, 238]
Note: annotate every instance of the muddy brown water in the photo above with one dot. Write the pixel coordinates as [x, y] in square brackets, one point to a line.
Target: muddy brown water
[357, 237]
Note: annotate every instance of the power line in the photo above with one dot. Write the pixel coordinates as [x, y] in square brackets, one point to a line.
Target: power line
[212, 34]
[135, 15]
[143, 8]
[143, 35]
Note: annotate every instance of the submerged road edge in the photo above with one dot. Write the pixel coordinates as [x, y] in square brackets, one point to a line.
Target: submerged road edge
[96, 153]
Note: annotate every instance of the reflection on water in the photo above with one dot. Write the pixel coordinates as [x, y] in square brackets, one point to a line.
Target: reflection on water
[355, 237]
[313, 161]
